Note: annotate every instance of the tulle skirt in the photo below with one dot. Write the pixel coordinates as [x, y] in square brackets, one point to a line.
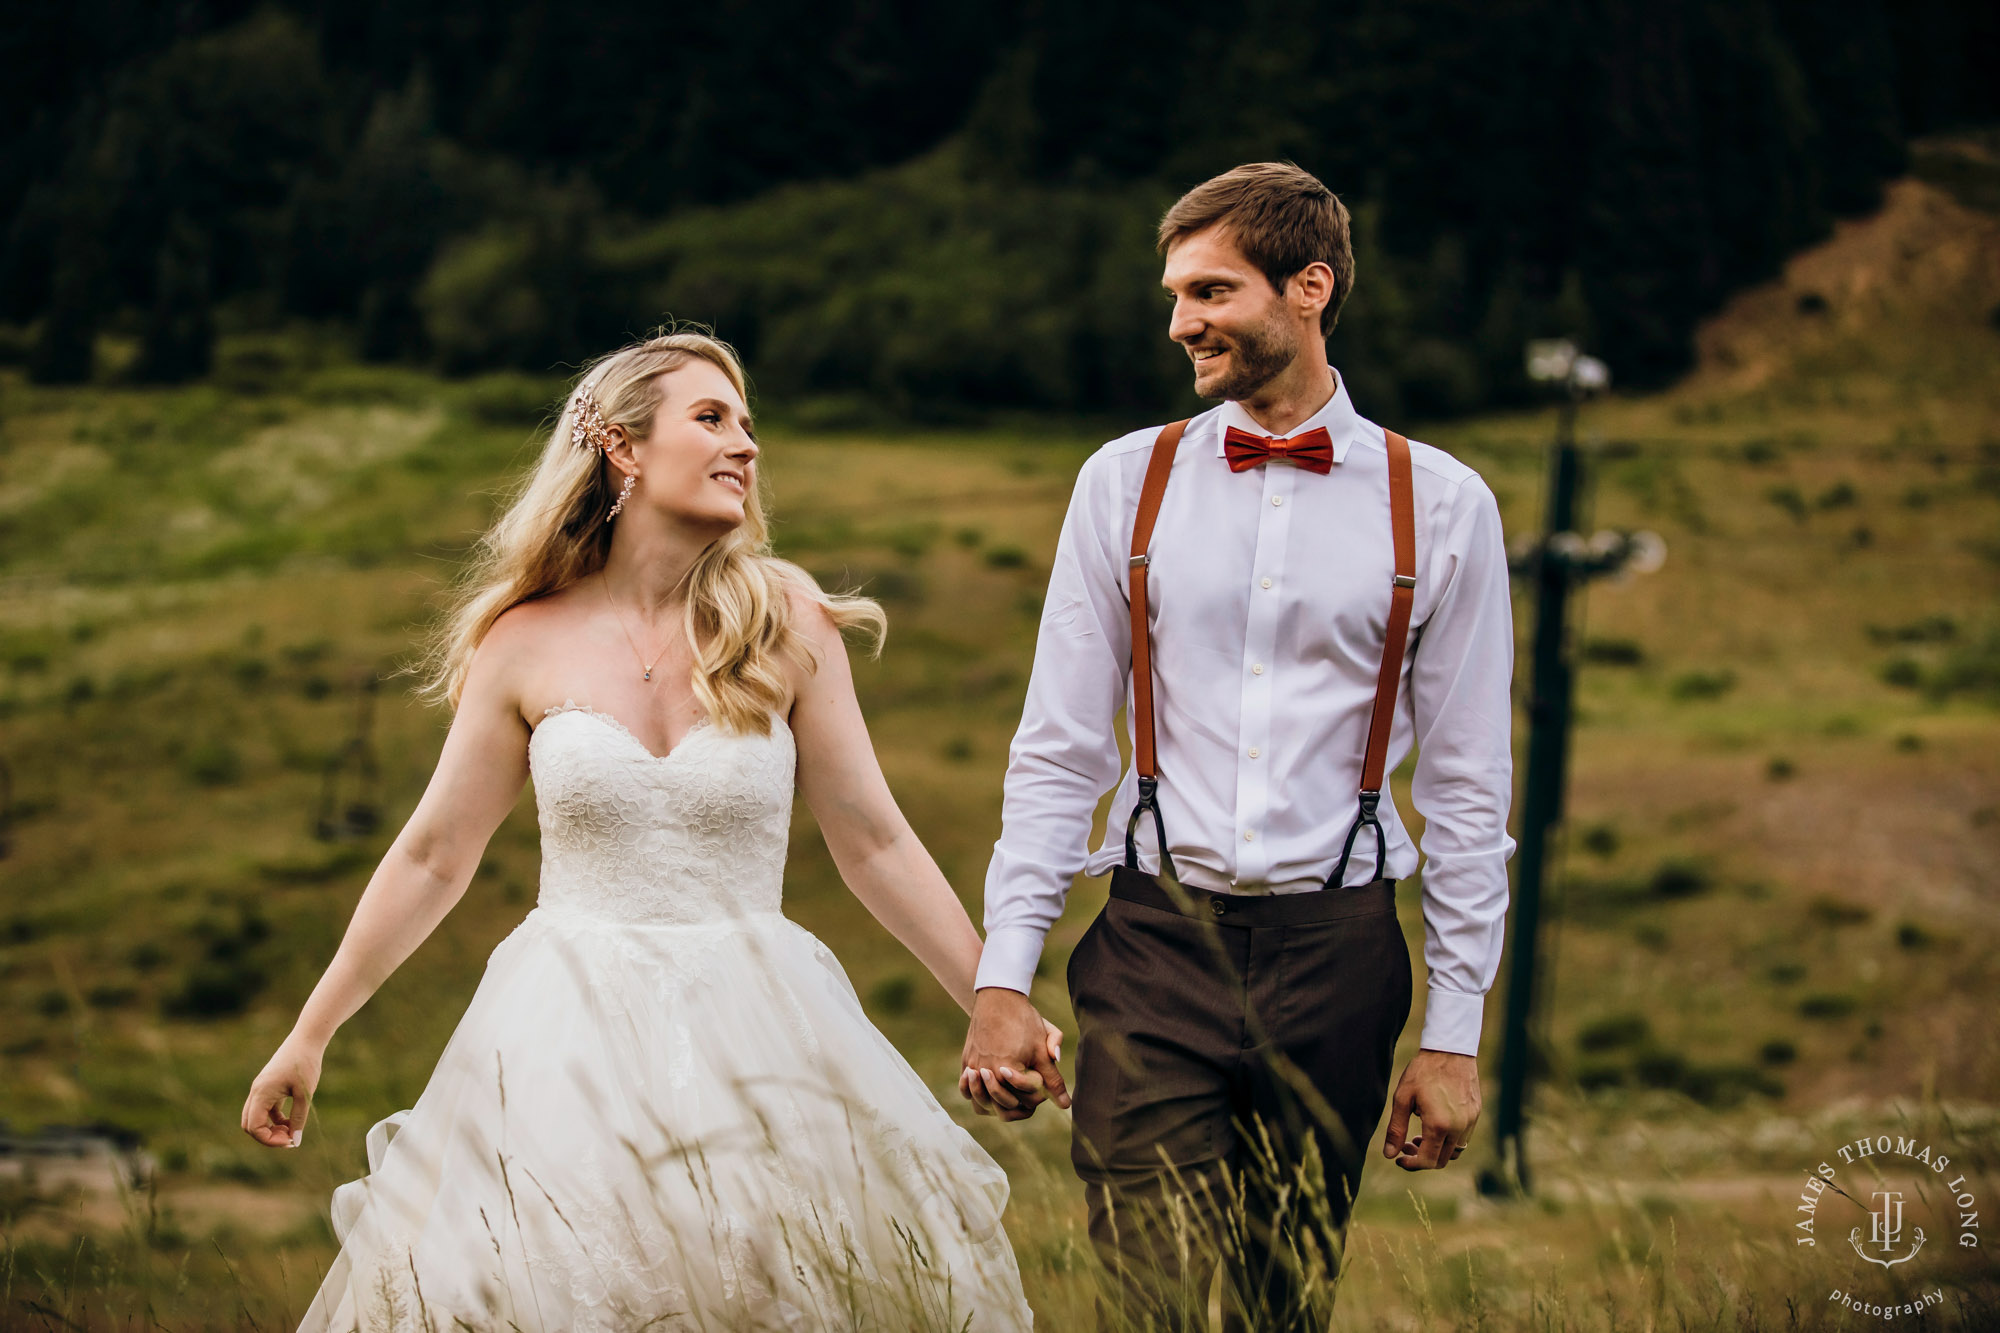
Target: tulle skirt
[671, 1127]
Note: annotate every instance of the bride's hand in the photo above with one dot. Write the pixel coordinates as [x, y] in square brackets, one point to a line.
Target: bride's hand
[1024, 1081]
[293, 1072]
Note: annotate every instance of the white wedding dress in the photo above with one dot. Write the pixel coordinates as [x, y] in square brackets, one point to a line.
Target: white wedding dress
[664, 1107]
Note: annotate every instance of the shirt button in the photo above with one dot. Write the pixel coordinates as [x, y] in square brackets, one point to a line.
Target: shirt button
[1254, 752]
[1249, 835]
[1257, 670]
[1277, 499]
[1267, 583]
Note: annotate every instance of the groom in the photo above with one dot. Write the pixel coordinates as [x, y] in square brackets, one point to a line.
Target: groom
[1306, 596]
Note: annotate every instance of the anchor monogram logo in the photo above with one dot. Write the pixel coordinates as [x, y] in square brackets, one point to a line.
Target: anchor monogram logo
[1886, 1230]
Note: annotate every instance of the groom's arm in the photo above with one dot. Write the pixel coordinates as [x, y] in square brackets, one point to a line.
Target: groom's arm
[1462, 705]
[1065, 752]
[1064, 758]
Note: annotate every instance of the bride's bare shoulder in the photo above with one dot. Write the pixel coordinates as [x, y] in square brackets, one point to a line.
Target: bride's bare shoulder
[808, 609]
[515, 630]
[516, 648]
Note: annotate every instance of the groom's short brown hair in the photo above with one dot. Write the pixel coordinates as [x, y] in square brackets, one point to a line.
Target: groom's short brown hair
[1280, 216]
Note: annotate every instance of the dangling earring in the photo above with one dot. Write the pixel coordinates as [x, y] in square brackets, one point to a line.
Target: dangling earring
[631, 480]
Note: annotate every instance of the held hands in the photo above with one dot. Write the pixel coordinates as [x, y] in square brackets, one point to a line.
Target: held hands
[293, 1072]
[1442, 1088]
[1010, 1057]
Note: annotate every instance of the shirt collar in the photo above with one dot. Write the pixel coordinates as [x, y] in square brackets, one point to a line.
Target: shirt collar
[1338, 417]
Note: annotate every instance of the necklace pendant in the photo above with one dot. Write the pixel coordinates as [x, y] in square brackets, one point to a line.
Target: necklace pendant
[649, 673]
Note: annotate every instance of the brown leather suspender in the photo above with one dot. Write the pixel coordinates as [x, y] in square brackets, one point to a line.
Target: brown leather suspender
[1143, 757]
[1402, 520]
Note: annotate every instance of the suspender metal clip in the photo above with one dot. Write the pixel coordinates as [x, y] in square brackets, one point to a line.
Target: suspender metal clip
[1365, 818]
[1149, 801]
[1138, 561]
[1406, 580]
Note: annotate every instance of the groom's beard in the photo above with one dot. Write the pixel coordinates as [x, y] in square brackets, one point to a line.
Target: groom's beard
[1256, 356]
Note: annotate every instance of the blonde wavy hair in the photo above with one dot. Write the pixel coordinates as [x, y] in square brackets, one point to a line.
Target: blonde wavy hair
[738, 616]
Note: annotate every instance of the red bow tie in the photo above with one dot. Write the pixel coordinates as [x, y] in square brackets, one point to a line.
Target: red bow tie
[1312, 451]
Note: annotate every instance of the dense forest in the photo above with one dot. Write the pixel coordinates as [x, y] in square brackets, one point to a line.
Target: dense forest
[904, 207]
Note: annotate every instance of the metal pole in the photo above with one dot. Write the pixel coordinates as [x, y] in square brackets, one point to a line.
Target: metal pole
[1548, 737]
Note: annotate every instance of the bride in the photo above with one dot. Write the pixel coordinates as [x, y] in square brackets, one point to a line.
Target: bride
[664, 1107]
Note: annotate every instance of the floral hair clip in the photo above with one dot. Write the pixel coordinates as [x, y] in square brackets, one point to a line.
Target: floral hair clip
[587, 429]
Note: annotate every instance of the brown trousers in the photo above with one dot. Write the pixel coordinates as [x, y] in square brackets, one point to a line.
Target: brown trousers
[1233, 1060]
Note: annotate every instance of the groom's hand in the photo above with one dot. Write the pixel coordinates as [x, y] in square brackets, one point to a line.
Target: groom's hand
[1442, 1088]
[1010, 1058]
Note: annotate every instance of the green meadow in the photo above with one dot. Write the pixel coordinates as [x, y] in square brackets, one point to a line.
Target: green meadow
[1774, 922]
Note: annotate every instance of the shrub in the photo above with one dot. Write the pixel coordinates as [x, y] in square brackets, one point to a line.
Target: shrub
[1596, 1076]
[1614, 1031]
[1904, 673]
[1727, 1085]
[1788, 499]
[893, 994]
[216, 989]
[1828, 910]
[1702, 684]
[1928, 629]
[913, 540]
[1972, 668]
[1659, 1068]
[1613, 652]
[1601, 840]
[110, 995]
[1680, 878]
[1827, 1004]
[213, 763]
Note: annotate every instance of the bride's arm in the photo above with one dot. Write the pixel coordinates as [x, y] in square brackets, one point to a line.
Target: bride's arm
[424, 873]
[873, 846]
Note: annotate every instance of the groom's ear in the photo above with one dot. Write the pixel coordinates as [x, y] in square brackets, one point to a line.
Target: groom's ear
[1310, 289]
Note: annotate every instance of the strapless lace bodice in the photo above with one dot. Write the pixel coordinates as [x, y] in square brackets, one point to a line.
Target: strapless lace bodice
[695, 836]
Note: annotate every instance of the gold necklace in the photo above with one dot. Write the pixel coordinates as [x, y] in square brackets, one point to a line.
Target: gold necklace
[646, 667]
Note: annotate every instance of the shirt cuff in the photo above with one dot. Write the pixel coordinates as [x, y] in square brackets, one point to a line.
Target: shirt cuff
[1009, 958]
[1452, 1020]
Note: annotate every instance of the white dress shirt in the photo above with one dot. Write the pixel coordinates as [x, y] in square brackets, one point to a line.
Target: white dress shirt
[1269, 591]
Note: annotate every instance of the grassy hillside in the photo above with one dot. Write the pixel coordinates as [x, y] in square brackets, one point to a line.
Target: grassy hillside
[1775, 926]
